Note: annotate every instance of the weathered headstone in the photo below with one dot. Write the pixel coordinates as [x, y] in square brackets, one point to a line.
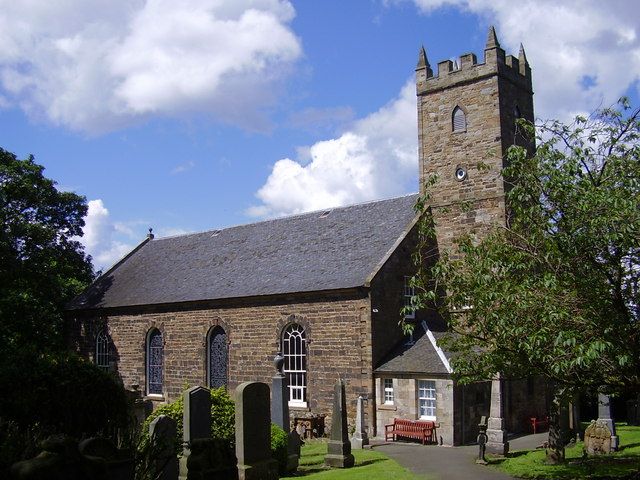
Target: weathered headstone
[482, 441]
[496, 432]
[294, 442]
[604, 415]
[360, 437]
[280, 395]
[162, 434]
[196, 422]
[339, 448]
[253, 432]
[597, 438]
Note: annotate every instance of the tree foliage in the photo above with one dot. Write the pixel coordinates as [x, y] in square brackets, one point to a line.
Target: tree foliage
[42, 264]
[553, 291]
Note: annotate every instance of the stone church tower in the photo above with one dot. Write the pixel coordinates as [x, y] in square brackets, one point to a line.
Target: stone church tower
[466, 123]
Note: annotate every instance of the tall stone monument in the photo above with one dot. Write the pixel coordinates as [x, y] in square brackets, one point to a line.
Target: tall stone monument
[604, 415]
[496, 432]
[196, 422]
[360, 437]
[339, 448]
[253, 433]
[280, 395]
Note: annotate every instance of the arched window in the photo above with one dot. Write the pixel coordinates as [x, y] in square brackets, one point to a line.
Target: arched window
[104, 350]
[459, 120]
[155, 357]
[294, 350]
[217, 357]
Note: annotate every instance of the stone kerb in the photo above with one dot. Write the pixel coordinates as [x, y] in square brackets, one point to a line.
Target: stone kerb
[253, 432]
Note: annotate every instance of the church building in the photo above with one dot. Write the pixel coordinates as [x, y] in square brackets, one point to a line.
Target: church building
[326, 288]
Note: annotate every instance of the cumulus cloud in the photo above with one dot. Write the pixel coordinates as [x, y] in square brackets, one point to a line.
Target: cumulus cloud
[584, 53]
[102, 236]
[376, 158]
[102, 65]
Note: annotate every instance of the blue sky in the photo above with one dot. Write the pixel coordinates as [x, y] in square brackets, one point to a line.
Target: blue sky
[199, 114]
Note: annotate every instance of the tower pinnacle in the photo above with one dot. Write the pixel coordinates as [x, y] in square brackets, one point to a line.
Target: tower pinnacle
[492, 39]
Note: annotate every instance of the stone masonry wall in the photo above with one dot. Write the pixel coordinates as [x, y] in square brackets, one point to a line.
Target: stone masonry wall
[406, 405]
[338, 343]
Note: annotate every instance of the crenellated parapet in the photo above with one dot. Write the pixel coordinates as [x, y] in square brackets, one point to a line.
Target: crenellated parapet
[467, 69]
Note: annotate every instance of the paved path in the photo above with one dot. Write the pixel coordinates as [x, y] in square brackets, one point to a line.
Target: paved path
[452, 463]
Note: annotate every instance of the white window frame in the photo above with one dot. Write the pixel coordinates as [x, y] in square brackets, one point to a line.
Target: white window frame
[294, 350]
[408, 291]
[388, 394]
[427, 399]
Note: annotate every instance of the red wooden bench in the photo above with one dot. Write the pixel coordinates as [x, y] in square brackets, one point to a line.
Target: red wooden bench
[538, 423]
[423, 430]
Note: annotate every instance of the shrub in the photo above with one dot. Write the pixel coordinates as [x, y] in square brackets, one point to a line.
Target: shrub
[55, 393]
[62, 393]
[222, 417]
[279, 443]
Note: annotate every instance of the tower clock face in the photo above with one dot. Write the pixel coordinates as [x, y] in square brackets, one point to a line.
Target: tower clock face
[461, 173]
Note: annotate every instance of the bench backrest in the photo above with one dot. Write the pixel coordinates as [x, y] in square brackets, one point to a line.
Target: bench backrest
[413, 424]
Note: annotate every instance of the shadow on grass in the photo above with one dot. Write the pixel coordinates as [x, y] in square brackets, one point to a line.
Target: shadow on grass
[631, 445]
[316, 467]
[518, 453]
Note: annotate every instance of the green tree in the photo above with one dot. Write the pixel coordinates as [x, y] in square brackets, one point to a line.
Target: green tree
[554, 291]
[42, 264]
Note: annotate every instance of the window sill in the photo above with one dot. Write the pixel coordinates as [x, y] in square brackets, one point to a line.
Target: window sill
[431, 419]
[154, 397]
[386, 406]
[299, 406]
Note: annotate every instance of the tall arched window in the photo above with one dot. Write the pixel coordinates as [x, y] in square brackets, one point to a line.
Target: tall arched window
[294, 350]
[458, 120]
[104, 350]
[217, 357]
[155, 357]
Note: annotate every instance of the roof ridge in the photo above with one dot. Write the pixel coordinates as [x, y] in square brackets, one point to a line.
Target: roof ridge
[296, 215]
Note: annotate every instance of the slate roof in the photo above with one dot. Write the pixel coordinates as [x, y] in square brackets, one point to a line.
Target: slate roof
[419, 358]
[301, 253]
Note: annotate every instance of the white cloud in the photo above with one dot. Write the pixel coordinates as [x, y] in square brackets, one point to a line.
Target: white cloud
[584, 53]
[376, 158]
[101, 236]
[101, 65]
[183, 167]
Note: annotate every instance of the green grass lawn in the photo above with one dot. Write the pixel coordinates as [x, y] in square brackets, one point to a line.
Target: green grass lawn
[370, 465]
[624, 462]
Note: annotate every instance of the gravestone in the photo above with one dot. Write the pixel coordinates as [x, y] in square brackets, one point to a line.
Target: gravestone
[496, 432]
[63, 458]
[196, 422]
[604, 415]
[360, 437]
[280, 395]
[253, 432]
[339, 448]
[294, 442]
[162, 434]
[597, 438]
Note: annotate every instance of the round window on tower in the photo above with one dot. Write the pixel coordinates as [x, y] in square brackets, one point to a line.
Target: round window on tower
[461, 173]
